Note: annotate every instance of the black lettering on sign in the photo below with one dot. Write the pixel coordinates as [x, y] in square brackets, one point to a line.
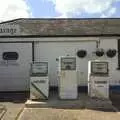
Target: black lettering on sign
[8, 30]
[39, 81]
[101, 82]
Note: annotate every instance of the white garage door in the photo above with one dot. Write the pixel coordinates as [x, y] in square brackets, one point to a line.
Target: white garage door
[15, 59]
[49, 51]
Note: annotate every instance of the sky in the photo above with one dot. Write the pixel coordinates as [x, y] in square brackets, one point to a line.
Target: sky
[13, 9]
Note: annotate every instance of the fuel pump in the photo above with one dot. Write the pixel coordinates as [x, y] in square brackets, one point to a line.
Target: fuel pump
[67, 75]
[98, 79]
[39, 82]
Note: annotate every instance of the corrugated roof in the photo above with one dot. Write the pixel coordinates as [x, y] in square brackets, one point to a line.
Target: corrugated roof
[66, 27]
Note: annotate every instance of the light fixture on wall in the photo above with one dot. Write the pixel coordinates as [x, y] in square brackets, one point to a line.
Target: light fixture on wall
[99, 52]
[111, 53]
[81, 53]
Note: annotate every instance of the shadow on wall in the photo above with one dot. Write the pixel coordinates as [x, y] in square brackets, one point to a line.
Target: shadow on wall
[15, 97]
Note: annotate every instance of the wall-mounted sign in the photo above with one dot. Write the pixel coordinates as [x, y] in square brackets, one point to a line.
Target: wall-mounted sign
[9, 30]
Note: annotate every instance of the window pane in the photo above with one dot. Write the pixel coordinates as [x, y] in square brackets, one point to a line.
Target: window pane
[10, 55]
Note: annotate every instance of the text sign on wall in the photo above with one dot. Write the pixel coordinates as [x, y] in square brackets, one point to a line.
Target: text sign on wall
[9, 30]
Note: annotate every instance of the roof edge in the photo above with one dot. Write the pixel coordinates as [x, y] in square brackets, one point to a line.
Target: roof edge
[9, 21]
[13, 20]
[38, 36]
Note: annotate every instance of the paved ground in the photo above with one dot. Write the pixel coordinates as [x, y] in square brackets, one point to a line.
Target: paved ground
[83, 101]
[11, 105]
[12, 110]
[15, 111]
[84, 108]
[115, 97]
[67, 114]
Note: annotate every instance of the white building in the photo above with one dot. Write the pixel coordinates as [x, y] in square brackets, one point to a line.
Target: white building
[25, 40]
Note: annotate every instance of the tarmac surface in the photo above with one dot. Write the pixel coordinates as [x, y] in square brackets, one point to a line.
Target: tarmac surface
[115, 98]
[11, 105]
[12, 108]
[67, 114]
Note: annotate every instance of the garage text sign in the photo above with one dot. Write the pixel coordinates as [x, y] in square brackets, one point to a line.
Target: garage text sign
[9, 30]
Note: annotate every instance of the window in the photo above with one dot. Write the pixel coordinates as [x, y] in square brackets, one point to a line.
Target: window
[10, 55]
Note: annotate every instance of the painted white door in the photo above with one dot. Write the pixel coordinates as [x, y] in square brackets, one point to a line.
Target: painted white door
[14, 74]
[49, 51]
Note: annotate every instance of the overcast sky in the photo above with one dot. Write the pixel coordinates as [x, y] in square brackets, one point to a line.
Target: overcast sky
[12, 9]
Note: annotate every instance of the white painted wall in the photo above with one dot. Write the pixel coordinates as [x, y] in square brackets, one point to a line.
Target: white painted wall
[115, 74]
[49, 51]
[50, 39]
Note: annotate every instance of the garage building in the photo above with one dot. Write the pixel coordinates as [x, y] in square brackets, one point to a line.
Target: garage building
[23, 41]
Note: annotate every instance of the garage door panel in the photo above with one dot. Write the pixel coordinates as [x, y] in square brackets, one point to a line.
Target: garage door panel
[14, 74]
